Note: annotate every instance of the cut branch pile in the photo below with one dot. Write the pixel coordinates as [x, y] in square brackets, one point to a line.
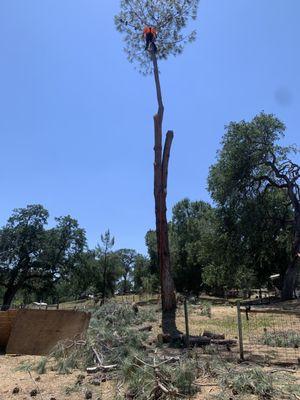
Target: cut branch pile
[116, 349]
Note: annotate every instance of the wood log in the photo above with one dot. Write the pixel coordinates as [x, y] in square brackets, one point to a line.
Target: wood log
[146, 328]
[213, 335]
[105, 368]
[194, 340]
[92, 370]
[199, 341]
[225, 342]
[164, 338]
[135, 308]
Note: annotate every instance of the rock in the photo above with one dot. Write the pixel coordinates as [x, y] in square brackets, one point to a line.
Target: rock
[52, 398]
[88, 394]
[16, 390]
[33, 392]
[96, 382]
[80, 379]
[38, 378]
[129, 395]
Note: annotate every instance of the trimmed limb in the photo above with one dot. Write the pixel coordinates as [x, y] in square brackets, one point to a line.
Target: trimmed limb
[166, 157]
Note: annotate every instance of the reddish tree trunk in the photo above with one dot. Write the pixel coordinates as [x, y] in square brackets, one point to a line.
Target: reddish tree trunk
[161, 163]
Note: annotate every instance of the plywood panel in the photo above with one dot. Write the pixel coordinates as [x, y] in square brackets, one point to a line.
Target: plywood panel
[36, 332]
[6, 321]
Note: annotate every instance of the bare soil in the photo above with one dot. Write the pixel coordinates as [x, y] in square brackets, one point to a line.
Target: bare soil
[49, 386]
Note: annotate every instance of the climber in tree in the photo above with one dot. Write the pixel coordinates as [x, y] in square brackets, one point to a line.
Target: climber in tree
[149, 35]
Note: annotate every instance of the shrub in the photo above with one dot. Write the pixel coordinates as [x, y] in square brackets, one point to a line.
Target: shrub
[41, 366]
[240, 381]
[206, 309]
[184, 376]
[252, 381]
[281, 339]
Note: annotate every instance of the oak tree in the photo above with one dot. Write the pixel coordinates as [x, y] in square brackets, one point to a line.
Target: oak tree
[252, 162]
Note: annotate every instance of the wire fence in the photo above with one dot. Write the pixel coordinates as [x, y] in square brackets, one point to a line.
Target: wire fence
[262, 335]
[257, 333]
[139, 298]
[212, 328]
[271, 335]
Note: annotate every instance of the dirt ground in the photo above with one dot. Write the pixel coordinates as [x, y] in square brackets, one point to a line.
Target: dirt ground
[54, 386]
[50, 385]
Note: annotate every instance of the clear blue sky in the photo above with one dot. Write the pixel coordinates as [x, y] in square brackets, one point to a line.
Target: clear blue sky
[76, 118]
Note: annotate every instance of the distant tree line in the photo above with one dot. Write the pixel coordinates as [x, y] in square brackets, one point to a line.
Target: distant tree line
[55, 264]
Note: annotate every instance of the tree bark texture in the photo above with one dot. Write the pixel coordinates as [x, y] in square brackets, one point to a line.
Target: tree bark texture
[104, 278]
[290, 277]
[8, 297]
[161, 162]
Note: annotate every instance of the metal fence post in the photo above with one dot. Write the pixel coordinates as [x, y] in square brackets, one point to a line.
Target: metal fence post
[186, 317]
[240, 330]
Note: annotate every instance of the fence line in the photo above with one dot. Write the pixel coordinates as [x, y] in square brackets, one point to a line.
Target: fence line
[271, 335]
[260, 334]
[270, 311]
[89, 302]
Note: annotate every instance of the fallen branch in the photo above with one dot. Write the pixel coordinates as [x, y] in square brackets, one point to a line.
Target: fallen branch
[213, 335]
[146, 328]
[104, 368]
[198, 341]
[292, 371]
[37, 386]
[226, 342]
[166, 361]
[99, 359]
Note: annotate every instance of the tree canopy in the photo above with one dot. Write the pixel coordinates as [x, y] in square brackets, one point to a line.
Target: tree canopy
[169, 17]
[31, 254]
[252, 161]
[253, 167]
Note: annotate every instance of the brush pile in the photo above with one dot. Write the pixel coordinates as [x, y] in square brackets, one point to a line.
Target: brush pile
[118, 348]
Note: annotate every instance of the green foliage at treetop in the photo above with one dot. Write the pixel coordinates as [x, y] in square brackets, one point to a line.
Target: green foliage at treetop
[169, 17]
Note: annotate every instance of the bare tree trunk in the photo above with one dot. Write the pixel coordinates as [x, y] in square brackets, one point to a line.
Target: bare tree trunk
[291, 273]
[125, 284]
[161, 163]
[104, 278]
[8, 297]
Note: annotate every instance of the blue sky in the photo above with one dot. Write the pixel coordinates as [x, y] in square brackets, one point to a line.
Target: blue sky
[76, 118]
